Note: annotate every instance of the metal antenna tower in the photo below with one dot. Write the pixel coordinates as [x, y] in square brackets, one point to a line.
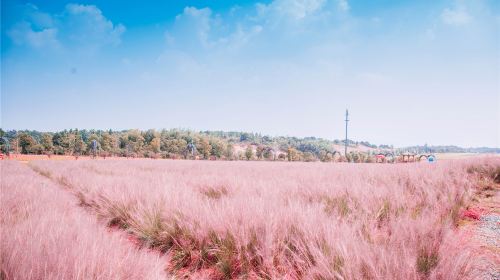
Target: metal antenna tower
[346, 121]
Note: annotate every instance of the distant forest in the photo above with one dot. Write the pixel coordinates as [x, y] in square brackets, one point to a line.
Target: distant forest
[178, 143]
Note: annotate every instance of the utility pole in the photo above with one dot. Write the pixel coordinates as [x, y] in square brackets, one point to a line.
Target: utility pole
[346, 121]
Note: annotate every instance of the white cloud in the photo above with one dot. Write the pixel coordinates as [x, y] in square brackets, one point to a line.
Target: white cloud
[455, 17]
[36, 29]
[78, 26]
[38, 18]
[200, 29]
[193, 26]
[23, 34]
[243, 35]
[343, 5]
[299, 9]
[264, 26]
[289, 9]
[86, 24]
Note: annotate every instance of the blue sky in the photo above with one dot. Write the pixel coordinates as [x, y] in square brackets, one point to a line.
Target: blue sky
[410, 72]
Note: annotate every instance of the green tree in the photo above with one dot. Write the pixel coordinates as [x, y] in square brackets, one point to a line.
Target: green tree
[79, 145]
[268, 153]
[249, 153]
[175, 146]
[292, 154]
[204, 148]
[259, 152]
[217, 147]
[134, 141]
[27, 143]
[4, 142]
[47, 143]
[308, 156]
[155, 144]
[229, 152]
[62, 142]
[109, 143]
[325, 156]
[37, 149]
[14, 144]
[149, 135]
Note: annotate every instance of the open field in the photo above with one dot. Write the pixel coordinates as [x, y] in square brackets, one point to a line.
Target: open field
[31, 157]
[444, 156]
[249, 140]
[144, 219]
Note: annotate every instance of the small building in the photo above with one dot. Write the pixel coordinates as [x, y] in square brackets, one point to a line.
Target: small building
[408, 157]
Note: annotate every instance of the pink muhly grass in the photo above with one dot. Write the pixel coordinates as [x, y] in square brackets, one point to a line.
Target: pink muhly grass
[45, 235]
[221, 220]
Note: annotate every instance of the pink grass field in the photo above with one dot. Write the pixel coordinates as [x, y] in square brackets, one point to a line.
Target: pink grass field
[44, 235]
[144, 219]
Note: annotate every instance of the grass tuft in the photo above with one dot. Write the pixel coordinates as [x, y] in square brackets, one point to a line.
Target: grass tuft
[339, 205]
[214, 192]
[426, 261]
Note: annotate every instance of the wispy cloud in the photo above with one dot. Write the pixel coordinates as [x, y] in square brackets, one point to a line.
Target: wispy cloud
[280, 20]
[192, 28]
[343, 5]
[456, 17]
[198, 30]
[294, 10]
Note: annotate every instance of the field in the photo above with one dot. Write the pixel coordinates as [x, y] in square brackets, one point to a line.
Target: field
[163, 219]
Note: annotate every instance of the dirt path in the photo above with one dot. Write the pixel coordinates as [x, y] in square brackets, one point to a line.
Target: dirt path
[488, 235]
[480, 223]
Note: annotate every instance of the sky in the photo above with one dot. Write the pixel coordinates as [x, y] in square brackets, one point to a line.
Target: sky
[410, 72]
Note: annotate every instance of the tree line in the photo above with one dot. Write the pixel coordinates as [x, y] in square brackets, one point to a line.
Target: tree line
[171, 143]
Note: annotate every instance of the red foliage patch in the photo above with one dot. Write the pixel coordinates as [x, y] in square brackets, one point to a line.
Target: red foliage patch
[472, 213]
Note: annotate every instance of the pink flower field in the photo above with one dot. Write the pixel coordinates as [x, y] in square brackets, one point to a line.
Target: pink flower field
[163, 219]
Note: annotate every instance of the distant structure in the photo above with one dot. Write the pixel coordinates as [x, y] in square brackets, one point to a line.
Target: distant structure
[94, 148]
[427, 156]
[191, 148]
[408, 157]
[346, 120]
[382, 157]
